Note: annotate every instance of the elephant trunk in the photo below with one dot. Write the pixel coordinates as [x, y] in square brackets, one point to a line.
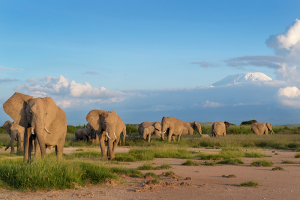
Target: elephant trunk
[145, 136]
[39, 130]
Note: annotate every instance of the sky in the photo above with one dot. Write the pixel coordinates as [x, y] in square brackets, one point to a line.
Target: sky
[149, 59]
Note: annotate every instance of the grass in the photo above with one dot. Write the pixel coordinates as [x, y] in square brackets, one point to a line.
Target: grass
[287, 162]
[79, 150]
[261, 163]
[191, 163]
[297, 155]
[141, 154]
[235, 161]
[169, 173]
[277, 169]
[146, 166]
[249, 184]
[151, 174]
[254, 155]
[209, 164]
[50, 174]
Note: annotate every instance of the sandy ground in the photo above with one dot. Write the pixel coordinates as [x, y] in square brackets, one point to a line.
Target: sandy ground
[206, 182]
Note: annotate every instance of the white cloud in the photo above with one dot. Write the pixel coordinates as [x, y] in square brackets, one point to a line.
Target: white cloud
[291, 37]
[61, 88]
[290, 92]
[10, 69]
[211, 104]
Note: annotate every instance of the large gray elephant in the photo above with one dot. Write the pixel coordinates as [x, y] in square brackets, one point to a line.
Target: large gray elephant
[219, 128]
[47, 121]
[109, 126]
[261, 128]
[146, 129]
[83, 134]
[16, 133]
[171, 126]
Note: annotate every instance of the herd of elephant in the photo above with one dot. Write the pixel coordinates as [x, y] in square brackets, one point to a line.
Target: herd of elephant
[39, 124]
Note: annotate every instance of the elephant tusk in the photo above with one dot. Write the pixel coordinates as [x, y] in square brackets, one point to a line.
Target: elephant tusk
[107, 135]
[115, 136]
[32, 132]
[47, 130]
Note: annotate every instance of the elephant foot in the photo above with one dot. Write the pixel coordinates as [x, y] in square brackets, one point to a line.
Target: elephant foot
[104, 158]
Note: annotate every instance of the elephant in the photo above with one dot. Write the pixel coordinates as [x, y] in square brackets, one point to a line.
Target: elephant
[146, 129]
[47, 121]
[219, 128]
[109, 126]
[261, 128]
[15, 132]
[82, 134]
[94, 135]
[171, 126]
[190, 127]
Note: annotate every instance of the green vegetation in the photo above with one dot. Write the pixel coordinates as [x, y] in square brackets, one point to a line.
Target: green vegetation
[2, 130]
[79, 150]
[132, 128]
[261, 163]
[140, 154]
[168, 173]
[249, 184]
[248, 122]
[146, 166]
[235, 161]
[209, 164]
[297, 155]
[287, 162]
[71, 129]
[277, 169]
[151, 174]
[254, 155]
[50, 174]
[191, 163]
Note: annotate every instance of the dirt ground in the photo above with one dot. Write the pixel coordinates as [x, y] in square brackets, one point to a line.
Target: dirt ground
[206, 182]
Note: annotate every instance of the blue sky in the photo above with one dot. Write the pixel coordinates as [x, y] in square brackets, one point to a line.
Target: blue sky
[138, 49]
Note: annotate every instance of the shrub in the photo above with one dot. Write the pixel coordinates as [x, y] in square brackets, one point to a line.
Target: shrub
[297, 155]
[261, 163]
[287, 162]
[191, 163]
[249, 184]
[254, 155]
[277, 168]
[131, 128]
[151, 174]
[145, 167]
[248, 122]
[235, 161]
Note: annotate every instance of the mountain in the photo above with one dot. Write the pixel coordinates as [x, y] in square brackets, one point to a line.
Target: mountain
[247, 77]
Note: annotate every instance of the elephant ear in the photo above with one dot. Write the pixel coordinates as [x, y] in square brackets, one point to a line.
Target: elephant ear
[7, 126]
[157, 126]
[15, 108]
[93, 118]
[51, 110]
[227, 124]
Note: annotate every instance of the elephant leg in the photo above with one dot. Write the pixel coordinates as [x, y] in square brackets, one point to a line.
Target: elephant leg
[19, 143]
[110, 149]
[59, 149]
[27, 152]
[149, 137]
[170, 135]
[102, 147]
[178, 137]
[114, 148]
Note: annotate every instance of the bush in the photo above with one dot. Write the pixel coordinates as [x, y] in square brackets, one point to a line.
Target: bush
[248, 122]
[249, 184]
[277, 169]
[297, 155]
[287, 162]
[72, 129]
[231, 161]
[191, 163]
[254, 155]
[261, 163]
[132, 128]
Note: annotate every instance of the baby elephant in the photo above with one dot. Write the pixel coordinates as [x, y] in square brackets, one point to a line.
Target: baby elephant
[16, 133]
[82, 134]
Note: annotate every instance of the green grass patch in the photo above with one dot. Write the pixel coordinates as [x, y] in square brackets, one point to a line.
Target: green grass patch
[249, 184]
[254, 155]
[79, 150]
[235, 161]
[49, 174]
[191, 163]
[146, 166]
[151, 174]
[169, 173]
[277, 169]
[287, 162]
[261, 163]
[209, 164]
[297, 155]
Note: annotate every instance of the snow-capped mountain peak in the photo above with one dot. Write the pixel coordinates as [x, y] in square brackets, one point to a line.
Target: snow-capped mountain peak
[247, 77]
